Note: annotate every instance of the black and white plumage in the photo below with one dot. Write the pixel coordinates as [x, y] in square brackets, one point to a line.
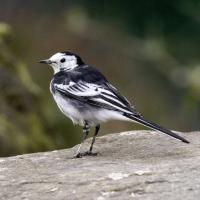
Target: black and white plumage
[85, 96]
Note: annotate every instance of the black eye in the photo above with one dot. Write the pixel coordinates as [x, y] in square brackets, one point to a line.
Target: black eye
[62, 60]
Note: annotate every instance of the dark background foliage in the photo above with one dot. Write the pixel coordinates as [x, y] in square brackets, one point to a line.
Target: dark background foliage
[148, 49]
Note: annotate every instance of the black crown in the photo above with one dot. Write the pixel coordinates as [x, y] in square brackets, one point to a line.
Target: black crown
[79, 60]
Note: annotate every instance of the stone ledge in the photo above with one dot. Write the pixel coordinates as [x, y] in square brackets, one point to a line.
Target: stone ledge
[130, 165]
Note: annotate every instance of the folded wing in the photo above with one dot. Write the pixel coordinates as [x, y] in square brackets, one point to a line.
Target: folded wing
[105, 96]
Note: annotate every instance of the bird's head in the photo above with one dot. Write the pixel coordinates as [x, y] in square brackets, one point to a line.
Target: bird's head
[63, 61]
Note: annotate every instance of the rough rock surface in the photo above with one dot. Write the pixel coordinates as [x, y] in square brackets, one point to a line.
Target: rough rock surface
[130, 165]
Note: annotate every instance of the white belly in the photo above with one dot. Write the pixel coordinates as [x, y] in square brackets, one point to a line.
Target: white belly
[80, 114]
[68, 109]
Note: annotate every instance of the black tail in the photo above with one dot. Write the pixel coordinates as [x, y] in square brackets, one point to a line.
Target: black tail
[154, 126]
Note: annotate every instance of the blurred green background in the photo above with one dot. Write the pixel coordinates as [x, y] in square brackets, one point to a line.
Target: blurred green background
[150, 50]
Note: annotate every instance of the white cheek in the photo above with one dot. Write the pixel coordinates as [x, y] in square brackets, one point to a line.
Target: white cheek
[71, 64]
[55, 68]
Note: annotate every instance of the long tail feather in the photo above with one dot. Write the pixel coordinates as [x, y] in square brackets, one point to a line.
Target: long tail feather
[154, 126]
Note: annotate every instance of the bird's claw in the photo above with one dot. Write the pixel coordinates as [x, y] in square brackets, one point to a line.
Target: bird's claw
[87, 153]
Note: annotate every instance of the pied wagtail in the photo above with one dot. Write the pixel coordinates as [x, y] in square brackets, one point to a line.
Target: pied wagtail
[84, 95]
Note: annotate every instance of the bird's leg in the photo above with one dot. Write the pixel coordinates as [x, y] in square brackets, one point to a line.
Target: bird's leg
[93, 140]
[86, 130]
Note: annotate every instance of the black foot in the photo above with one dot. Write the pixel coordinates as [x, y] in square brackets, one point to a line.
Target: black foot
[87, 153]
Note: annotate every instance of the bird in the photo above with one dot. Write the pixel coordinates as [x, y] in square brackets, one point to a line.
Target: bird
[84, 95]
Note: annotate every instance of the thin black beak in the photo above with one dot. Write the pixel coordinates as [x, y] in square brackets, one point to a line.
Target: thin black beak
[47, 61]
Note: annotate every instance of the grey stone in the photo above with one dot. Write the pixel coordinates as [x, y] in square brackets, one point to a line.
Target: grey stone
[130, 165]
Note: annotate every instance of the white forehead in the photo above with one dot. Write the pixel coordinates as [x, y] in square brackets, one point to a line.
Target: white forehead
[58, 56]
